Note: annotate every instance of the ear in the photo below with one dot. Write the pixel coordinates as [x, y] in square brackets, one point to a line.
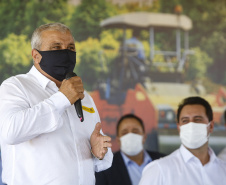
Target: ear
[211, 127]
[144, 138]
[36, 56]
[178, 127]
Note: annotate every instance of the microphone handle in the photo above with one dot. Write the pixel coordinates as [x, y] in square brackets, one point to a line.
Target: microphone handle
[78, 103]
[78, 108]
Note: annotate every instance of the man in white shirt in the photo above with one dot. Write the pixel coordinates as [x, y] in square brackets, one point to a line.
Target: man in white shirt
[194, 162]
[222, 154]
[42, 139]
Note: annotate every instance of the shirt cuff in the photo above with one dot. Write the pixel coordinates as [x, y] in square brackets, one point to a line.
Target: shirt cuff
[60, 101]
[105, 163]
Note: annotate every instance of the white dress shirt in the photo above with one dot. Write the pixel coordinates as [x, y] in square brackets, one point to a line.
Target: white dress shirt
[43, 141]
[222, 154]
[183, 168]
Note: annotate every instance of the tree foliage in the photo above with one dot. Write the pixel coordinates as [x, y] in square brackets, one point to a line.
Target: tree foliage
[86, 19]
[40, 12]
[197, 65]
[15, 55]
[94, 61]
[137, 7]
[98, 48]
[22, 17]
[88, 65]
[208, 30]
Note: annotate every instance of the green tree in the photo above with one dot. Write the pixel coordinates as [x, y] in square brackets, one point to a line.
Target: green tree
[208, 30]
[15, 54]
[208, 33]
[137, 7]
[22, 17]
[38, 12]
[88, 65]
[215, 45]
[12, 16]
[197, 65]
[94, 62]
[86, 19]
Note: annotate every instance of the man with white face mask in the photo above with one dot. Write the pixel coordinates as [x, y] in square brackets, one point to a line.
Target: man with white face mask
[194, 163]
[129, 162]
[222, 154]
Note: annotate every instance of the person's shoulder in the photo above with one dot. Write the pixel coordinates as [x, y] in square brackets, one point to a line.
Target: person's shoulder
[117, 160]
[222, 155]
[87, 97]
[16, 79]
[162, 170]
[117, 156]
[164, 162]
[87, 100]
[222, 162]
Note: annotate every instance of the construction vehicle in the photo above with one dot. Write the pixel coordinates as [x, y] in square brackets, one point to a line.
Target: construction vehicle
[133, 87]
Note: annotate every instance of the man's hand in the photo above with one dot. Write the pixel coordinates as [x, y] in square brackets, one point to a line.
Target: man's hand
[99, 143]
[72, 89]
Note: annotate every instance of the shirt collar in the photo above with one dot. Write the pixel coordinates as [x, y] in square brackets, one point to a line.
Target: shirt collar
[147, 158]
[187, 155]
[43, 81]
[213, 156]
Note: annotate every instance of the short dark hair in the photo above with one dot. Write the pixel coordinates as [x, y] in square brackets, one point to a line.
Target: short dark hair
[129, 116]
[195, 100]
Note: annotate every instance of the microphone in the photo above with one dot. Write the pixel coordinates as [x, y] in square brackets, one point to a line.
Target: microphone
[77, 104]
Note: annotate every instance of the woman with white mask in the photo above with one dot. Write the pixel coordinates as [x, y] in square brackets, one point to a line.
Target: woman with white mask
[129, 162]
[194, 162]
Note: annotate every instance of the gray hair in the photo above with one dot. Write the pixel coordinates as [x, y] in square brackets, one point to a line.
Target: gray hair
[36, 40]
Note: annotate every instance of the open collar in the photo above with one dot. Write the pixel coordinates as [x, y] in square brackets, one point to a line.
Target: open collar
[187, 155]
[43, 81]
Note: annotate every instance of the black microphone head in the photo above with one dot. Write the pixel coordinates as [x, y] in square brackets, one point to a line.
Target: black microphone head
[69, 75]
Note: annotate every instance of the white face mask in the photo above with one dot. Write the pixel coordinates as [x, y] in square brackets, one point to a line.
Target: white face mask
[131, 144]
[194, 135]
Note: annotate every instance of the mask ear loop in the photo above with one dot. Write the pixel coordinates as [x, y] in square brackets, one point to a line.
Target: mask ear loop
[206, 128]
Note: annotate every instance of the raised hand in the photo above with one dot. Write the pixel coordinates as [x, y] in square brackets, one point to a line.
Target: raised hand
[99, 143]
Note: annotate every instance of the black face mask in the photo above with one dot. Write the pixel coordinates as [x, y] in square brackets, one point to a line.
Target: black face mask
[57, 63]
